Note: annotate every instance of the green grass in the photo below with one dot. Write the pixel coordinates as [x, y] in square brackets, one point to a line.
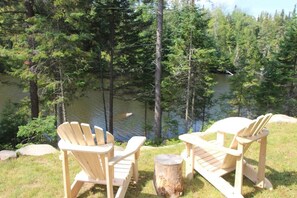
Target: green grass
[42, 176]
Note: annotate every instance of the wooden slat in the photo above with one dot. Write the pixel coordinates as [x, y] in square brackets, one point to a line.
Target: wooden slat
[256, 126]
[109, 137]
[75, 187]
[99, 135]
[211, 162]
[264, 122]
[88, 134]
[95, 165]
[78, 134]
[210, 158]
[83, 164]
[63, 130]
[214, 167]
[121, 175]
[102, 160]
[203, 152]
[70, 134]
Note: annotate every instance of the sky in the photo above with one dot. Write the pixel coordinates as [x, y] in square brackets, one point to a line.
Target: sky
[252, 7]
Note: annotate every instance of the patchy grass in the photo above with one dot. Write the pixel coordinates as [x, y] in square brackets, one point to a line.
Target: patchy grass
[42, 176]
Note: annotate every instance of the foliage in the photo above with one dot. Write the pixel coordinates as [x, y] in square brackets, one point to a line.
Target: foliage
[39, 130]
[11, 119]
[65, 44]
[189, 60]
[170, 127]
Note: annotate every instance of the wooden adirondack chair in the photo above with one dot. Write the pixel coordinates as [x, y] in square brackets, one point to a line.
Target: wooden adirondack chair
[213, 160]
[99, 163]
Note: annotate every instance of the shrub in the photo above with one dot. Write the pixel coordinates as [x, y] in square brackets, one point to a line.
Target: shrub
[39, 130]
[11, 119]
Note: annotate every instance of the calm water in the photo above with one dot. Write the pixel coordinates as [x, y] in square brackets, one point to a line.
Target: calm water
[90, 109]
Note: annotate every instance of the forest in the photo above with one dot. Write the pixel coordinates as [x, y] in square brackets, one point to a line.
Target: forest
[60, 48]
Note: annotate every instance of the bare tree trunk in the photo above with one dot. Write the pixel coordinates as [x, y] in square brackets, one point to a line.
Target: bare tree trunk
[62, 103]
[193, 120]
[102, 90]
[60, 111]
[112, 35]
[188, 94]
[33, 87]
[158, 111]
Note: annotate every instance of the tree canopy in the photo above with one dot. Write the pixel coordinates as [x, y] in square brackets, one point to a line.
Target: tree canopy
[59, 48]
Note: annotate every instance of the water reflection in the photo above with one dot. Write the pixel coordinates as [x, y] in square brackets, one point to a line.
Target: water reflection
[90, 109]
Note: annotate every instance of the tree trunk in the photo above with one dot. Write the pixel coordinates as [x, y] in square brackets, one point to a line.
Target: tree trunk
[157, 117]
[168, 179]
[33, 87]
[102, 90]
[34, 98]
[62, 103]
[112, 35]
[188, 94]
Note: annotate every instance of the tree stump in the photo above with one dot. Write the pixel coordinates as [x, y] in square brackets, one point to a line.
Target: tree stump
[168, 179]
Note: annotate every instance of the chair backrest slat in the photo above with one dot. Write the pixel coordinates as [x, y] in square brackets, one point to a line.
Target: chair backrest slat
[66, 132]
[99, 135]
[88, 134]
[78, 134]
[263, 124]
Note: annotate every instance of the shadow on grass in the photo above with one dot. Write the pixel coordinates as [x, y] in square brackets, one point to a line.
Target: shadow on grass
[277, 178]
[134, 190]
[193, 185]
[144, 187]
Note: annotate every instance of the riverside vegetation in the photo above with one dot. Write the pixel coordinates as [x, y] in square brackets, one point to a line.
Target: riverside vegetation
[58, 49]
[29, 176]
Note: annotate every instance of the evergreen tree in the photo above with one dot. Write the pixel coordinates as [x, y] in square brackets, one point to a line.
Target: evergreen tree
[286, 70]
[51, 47]
[246, 62]
[190, 59]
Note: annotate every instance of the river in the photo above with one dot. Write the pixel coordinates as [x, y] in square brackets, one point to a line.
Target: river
[129, 115]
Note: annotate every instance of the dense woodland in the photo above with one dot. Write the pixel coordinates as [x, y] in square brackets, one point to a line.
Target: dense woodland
[60, 48]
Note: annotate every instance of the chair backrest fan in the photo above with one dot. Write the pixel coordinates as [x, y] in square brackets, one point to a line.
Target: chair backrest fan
[92, 163]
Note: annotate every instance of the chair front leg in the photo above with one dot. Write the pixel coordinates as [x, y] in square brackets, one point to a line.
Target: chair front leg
[108, 170]
[262, 161]
[239, 171]
[189, 161]
[66, 178]
[135, 170]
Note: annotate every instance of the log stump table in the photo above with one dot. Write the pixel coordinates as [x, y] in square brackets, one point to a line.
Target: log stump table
[168, 179]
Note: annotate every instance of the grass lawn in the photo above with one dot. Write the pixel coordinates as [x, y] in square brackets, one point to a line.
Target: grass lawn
[29, 176]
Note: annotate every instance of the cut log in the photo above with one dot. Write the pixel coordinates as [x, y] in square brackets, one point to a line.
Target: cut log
[168, 179]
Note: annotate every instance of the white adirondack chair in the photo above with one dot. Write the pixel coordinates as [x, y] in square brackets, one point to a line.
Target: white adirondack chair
[213, 160]
[99, 163]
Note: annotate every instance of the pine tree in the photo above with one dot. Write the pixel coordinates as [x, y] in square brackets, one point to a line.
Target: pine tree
[286, 70]
[190, 59]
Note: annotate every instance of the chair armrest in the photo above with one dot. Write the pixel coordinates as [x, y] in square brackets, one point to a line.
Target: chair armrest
[132, 147]
[199, 134]
[102, 149]
[198, 141]
[247, 140]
